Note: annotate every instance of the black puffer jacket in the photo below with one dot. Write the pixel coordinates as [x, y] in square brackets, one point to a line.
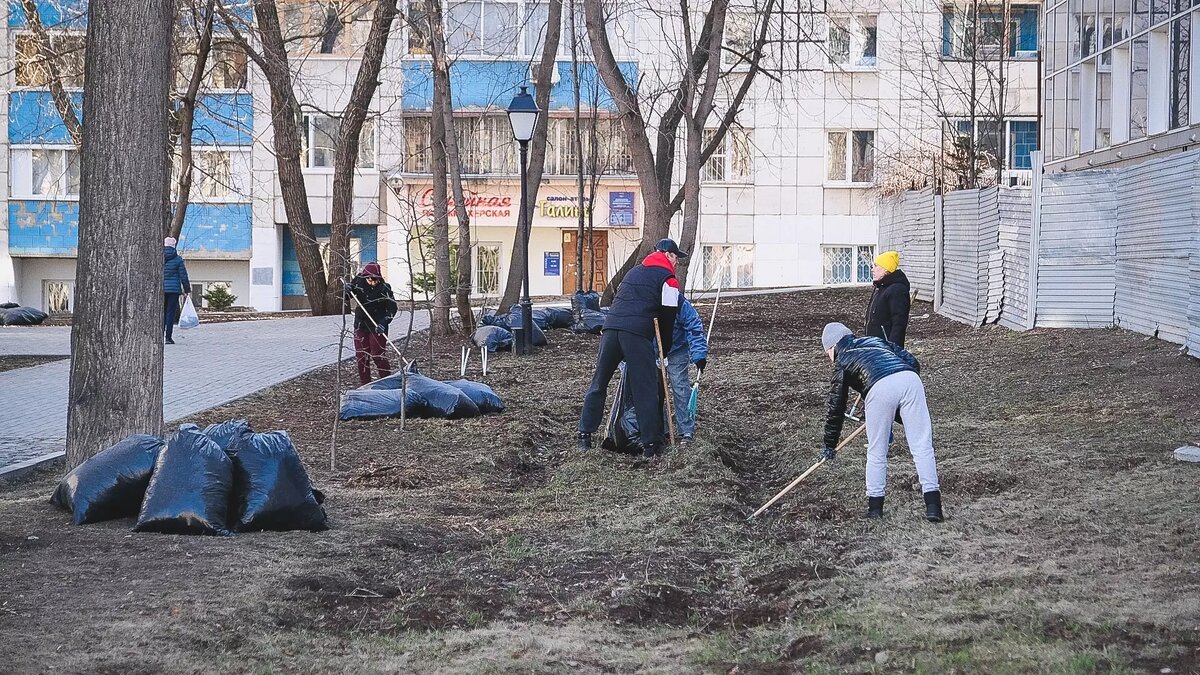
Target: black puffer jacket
[377, 299]
[860, 362]
[887, 315]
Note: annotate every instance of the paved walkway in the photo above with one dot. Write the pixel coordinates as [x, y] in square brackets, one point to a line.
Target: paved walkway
[208, 366]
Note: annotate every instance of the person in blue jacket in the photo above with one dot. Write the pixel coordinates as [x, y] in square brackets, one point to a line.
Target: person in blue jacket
[176, 285]
[688, 345]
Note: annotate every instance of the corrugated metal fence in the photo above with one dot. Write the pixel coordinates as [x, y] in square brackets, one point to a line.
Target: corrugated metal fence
[1115, 247]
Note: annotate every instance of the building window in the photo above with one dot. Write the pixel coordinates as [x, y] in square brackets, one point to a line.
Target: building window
[353, 263]
[227, 66]
[336, 28]
[67, 50]
[59, 295]
[985, 35]
[1023, 140]
[55, 173]
[739, 38]
[487, 269]
[1139, 83]
[732, 162]
[847, 264]
[853, 40]
[320, 136]
[486, 146]
[851, 156]
[215, 177]
[727, 265]
[1180, 82]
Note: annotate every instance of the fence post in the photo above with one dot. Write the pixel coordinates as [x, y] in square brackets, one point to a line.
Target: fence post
[938, 251]
[1035, 234]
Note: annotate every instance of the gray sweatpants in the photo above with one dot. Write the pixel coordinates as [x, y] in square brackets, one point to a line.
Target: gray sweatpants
[905, 392]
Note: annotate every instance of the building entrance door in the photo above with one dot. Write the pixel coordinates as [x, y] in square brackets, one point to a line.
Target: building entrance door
[595, 256]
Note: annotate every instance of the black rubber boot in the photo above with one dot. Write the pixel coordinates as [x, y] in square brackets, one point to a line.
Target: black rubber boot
[933, 507]
[874, 507]
[650, 451]
[585, 441]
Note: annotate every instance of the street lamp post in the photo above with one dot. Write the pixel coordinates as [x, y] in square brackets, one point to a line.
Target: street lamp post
[522, 115]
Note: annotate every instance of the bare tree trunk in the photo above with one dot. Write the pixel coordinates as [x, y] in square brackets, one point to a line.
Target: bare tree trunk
[439, 320]
[577, 145]
[62, 100]
[973, 170]
[186, 113]
[537, 151]
[441, 91]
[116, 344]
[286, 119]
[345, 160]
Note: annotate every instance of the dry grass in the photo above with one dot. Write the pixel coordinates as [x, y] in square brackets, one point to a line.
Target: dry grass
[488, 545]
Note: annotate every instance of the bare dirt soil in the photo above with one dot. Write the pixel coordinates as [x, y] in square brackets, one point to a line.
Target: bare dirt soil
[14, 362]
[491, 545]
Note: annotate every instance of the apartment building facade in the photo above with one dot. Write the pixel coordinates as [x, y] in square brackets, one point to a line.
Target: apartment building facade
[855, 92]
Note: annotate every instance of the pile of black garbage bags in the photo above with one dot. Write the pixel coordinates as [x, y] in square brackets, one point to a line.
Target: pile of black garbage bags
[584, 316]
[426, 397]
[219, 480]
[12, 314]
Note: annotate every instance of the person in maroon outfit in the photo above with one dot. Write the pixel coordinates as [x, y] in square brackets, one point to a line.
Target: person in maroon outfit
[373, 311]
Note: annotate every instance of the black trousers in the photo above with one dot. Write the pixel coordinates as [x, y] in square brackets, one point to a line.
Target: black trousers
[170, 312]
[641, 379]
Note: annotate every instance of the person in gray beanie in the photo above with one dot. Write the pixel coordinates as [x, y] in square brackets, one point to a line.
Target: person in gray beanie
[888, 377]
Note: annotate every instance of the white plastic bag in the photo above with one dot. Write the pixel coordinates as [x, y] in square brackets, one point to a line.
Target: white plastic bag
[188, 317]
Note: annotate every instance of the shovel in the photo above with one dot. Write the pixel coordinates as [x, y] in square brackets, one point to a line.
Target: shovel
[694, 400]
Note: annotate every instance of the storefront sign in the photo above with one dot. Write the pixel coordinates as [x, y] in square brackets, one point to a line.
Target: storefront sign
[553, 264]
[620, 209]
[478, 205]
[561, 207]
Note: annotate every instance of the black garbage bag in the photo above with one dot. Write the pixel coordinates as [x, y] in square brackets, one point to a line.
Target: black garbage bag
[365, 404]
[112, 483]
[541, 317]
[493, 319]
[8, 305]
[581, 301]
[190, 489]
[514, 320]
[495, 338]
[426, 397]
[438, 399]
[228, 433]
[271, 489]
[560, 317]
[22, 316]
[622, 433]
[590, 321]
[480, 394]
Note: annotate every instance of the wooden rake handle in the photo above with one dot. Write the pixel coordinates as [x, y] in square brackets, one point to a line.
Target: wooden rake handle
[804, 475]
[662, 369]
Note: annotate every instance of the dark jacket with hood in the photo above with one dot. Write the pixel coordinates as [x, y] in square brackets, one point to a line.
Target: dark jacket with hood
[377, 299]
[175, 276]
[649, 291]
[858, 363]
[887, 314]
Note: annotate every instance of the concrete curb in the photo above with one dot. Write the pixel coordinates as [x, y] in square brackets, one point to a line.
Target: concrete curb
[17, 471]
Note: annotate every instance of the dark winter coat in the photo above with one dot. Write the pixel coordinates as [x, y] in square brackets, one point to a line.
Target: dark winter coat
[887, 314]
[378, 301]
[647, 292]
[175, 276]
[858, 363]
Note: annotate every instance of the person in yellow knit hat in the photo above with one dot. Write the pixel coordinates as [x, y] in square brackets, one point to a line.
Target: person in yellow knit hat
[887, 313]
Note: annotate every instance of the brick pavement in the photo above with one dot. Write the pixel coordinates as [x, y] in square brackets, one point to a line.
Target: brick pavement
[209, 366]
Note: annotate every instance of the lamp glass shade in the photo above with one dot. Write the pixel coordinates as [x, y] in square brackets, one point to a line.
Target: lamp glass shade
[522, 115]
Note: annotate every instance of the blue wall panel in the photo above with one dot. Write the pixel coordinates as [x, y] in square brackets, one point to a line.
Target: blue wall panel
[293, 284]
[49, 228]
[54, 13]
[217, 231]
[492, 84]
[32, 118]
[225, 119]
[37, 227]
